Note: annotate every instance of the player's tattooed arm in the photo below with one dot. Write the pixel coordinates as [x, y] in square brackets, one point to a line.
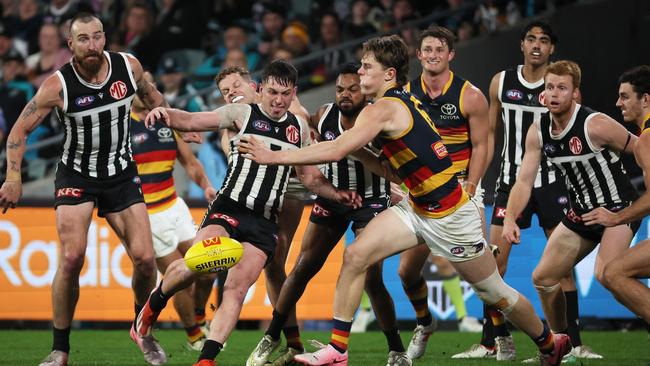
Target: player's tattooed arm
[147, 91]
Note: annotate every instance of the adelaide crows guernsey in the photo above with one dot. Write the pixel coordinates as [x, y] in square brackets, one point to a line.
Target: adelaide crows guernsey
[96, 119]
[154, 151]
[446, 111]
[422, 161]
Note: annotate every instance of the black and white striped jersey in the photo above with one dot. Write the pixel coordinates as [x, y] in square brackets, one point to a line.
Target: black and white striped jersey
[258, 187]
[520, 107]
[96, 119]
[348, 173]
[595, 177]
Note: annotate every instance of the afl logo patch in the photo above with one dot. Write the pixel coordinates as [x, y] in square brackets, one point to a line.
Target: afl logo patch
[440, 149]
[165, 133]
[293, 135]
[457, 250]
[329, 135]
[84, 101]
[448, 109]
[575, 145]
[262, 126]
[514, 94]
[118, 90]
[140, 138]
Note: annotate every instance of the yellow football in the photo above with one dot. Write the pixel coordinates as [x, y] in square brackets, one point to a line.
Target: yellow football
[213, 254]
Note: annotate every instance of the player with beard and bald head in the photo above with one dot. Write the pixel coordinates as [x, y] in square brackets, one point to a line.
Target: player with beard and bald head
[329, 221]
[92, 97]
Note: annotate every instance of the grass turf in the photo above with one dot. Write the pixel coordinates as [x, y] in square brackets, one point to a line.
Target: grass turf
[98, 347]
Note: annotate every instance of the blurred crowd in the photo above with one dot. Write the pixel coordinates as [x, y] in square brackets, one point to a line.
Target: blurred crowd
[186, 42]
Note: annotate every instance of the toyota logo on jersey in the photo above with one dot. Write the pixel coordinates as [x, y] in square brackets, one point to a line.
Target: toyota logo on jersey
[293, 135]
[118, 90]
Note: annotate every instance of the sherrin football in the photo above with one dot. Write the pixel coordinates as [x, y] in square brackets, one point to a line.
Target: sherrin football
[213, 254]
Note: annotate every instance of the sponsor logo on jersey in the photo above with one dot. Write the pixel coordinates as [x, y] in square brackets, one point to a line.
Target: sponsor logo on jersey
[230, 220]
[263, 126]
[165, 133]
[69, 192]
[84, 100]
[139, 138]
[514, 94]
[293, 135]
[440, 149]
[329, 135]
[575, 145]
[118, 90]
[448, 109]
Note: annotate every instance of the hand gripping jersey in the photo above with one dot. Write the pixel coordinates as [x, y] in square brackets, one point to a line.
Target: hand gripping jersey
[446, 111]
[595, 177]
[154, 151]
[422, 161]
[96, 119]
[258, 187]
[348, 173]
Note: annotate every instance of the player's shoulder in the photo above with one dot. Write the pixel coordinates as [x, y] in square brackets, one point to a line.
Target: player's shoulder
[51, 90]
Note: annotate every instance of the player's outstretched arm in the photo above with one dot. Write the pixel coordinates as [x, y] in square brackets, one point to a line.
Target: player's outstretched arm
[520, 192]
[314, 180]
[224, 117]
[195, 170]
[49, 95]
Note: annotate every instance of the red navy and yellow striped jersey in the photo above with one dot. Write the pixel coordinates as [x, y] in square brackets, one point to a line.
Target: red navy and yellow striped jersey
[154, 151]
[646, 123]
[446, 111]
[422, 161]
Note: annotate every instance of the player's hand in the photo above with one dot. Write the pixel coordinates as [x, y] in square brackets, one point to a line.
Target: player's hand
[10, 193]
[511, 232]
[157, 114]
[396, 194]
[600, 216]
[348, 198]
[253, 149]
[210, 193]
[192, 137]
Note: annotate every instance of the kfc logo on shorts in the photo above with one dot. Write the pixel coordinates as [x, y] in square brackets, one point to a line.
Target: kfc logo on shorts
[575, 145]
[118, 90]
[293, 135]
[440, 149]
[571, 215]
[262, 126]
[500, 212]
[319, 211]
[69, 192]
[457, 250]
[230, 220]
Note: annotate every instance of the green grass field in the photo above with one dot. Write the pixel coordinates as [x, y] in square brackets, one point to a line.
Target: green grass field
[96, 347]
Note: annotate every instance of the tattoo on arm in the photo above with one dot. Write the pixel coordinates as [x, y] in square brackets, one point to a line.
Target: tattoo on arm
[13, 145]
[14, 166]
[30, 108]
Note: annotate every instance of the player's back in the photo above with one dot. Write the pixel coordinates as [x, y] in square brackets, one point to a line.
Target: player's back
[422, 161]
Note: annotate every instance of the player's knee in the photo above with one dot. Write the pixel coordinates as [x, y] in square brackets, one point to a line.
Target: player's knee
[72, 262]
[145, 264]
[610, 277]
[495, 292]
[355, 258]
[408, 275]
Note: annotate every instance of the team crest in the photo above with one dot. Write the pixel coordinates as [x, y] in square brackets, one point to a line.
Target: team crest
[575, 145]
[118, 90]
[293, 135]
[440, 149]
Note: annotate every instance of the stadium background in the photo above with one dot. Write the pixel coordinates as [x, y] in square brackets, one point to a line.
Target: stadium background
[604, 37]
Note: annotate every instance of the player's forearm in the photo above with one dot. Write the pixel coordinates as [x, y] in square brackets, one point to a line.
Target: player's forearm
[322, 152]
[16, 142]
[477, 164]
[375, 166]
[636, 211]
[318, 184]
[196, 172]
[517, 200]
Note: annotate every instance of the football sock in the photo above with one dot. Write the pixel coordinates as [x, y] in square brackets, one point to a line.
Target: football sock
[292, 334]
[61, 339]
[545, 341]
[365, 302]
[487, 338]
[499, 322]
[210, 350]
[276, 325]
[194, 333]
[137, 308]
[573, 321]
[417, 295]
[199, 316]
[451, 286]
[158, 300]
[394, 340]
[340, 335]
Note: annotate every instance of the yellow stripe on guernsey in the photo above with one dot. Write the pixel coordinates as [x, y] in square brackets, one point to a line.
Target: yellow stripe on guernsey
[433, 182]
[460, 99]
[157, 196]
[155, 167]
[646, 123]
